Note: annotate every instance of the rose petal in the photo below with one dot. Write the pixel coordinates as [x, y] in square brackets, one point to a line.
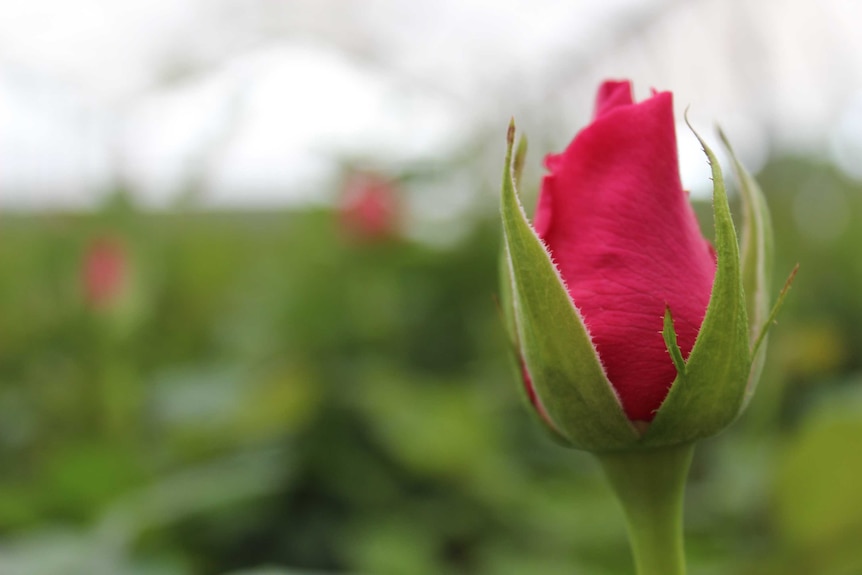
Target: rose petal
[626, 241]
[613, 94]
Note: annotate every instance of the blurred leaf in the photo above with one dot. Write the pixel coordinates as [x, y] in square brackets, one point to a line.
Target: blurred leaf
[817, 490]
[449, 435]
[81, 478]
[280, 571]
[196, 490]
[394, 547]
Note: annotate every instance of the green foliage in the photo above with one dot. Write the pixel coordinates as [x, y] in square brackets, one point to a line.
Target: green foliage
[820, 514]
[281, 396]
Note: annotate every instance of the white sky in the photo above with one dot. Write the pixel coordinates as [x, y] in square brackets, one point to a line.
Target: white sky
[257, 100]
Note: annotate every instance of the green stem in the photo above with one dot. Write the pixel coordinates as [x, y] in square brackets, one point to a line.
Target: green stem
[650, 485]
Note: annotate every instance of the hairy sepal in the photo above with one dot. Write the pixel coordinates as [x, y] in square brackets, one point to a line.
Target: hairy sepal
[563, 364]
[711, 393]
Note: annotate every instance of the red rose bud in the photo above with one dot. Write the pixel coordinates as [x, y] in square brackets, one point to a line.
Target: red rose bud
[370, 208]
[105, 272]
[630, 328]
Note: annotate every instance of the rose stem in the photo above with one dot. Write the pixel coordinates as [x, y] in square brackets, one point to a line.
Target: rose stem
[650, 485]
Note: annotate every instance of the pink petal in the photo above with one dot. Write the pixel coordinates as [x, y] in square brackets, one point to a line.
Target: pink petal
[613, 94]
[625, 238]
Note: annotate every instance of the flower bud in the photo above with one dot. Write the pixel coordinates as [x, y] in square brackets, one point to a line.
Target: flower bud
[630, 329]
[105, 272]
[370, 208]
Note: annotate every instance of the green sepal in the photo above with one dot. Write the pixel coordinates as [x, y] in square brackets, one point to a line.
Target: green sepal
[757, 253]
[764, 331]
[505, 301]
[669, 335]
[518, 162]
[563, 364]
[710, 395]
[507, 311]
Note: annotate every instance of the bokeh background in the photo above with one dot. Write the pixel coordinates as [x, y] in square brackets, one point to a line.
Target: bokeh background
[247, 272]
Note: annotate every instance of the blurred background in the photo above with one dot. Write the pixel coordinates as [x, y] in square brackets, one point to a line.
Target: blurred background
[247, 265]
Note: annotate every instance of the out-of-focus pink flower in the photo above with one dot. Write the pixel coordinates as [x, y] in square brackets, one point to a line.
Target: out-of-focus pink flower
[370, 208]
[105, 271]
